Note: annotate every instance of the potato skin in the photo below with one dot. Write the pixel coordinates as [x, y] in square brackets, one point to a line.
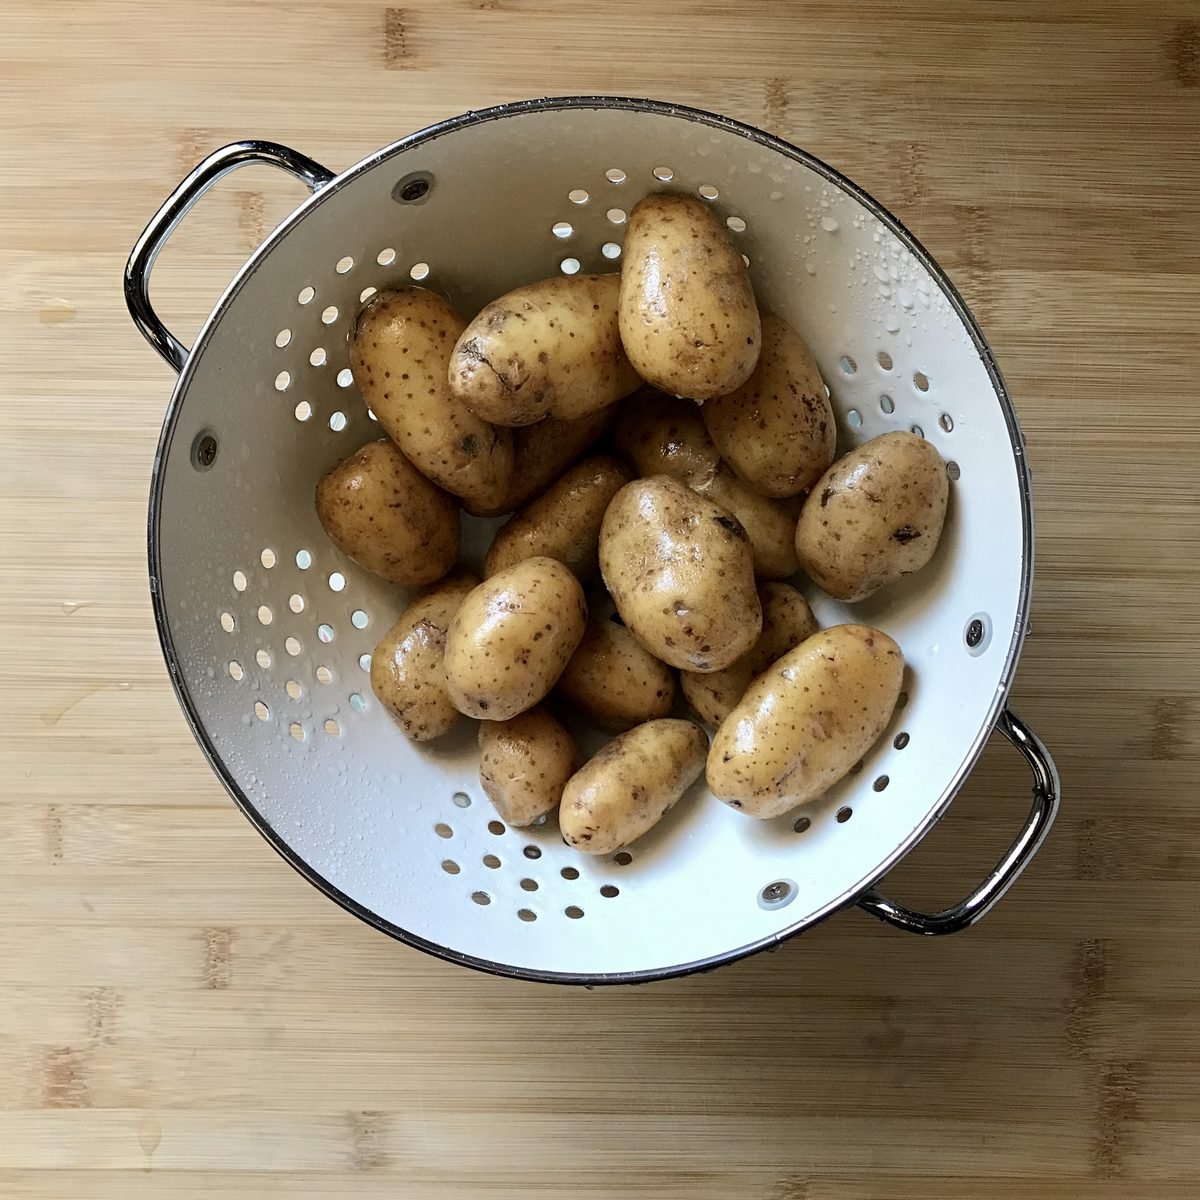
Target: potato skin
[614, 681]
[564, 522]
[379, 509]
[512, 637]
[524, 764]
[663, 434]
[680, 571]
[874, 516]
[541, 453]
[399, 350]
[550, 348]
[787, 621]
[777, 431]
[630, 784]
[688, 318]
[806, 721]
[407, 667]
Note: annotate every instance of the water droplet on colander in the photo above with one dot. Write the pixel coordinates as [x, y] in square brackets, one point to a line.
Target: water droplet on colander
[905, 297]
[881, 272]
[891, 324]
[883, 290]
[808, 266]
[830, 224]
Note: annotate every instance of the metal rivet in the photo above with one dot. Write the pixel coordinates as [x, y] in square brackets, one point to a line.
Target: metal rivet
[204, 451]
[975, 632]
[413, 188]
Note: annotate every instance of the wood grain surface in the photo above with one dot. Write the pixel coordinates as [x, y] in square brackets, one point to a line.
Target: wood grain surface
[182, 1016]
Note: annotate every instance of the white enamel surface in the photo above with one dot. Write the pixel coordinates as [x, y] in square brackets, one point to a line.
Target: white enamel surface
[360, 806]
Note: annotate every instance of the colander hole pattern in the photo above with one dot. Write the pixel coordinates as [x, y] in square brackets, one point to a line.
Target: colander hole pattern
[294, 625]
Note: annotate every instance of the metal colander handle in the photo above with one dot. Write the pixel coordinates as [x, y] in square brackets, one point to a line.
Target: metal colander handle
[1017, 858]
[176, 207]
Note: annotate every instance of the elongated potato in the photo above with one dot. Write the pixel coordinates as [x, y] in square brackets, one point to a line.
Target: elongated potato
[689, 322]
[680, 571]
[564, 522]
[612, 679]
[541, 453]
[787, 621]
[379, 509]
[407, 668]
[777, 430]
[874, 516]
[662, 434]
[630, 785]
[550, 348]
[524, 764]
[806, 721]
[399, 351]
[512, 637]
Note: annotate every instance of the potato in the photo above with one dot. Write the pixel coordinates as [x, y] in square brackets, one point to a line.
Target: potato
[612, 680]
[777, 430]
[564, 522]
[547, 349]
[630, 784]
[512, 637]
[787, 621]
[541, 453]
[688, 318]
[399, 350]
[679, 569]
[806, 721]
[407, 671]
[874, 516]
[524, 764]
[379, 509]
[661, 434]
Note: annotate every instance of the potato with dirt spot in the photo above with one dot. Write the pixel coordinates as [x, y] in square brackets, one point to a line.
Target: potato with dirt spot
[680, 571]
[614, 681]
[379, 509]
[564, 522]
[399, 351]
[541, 453]
[689, 321]
[524, 765]
[630, 785]
[663, 434]
[407, 668]
[777, 431]
[805, 722]
[512, 637]
[787, 621]
[550, 348]
[875, 516]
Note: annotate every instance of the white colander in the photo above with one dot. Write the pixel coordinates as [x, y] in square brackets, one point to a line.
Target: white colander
[267, 629]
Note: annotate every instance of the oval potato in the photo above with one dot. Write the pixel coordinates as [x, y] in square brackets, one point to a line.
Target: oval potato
[379, 509]
[806, 721]
[407, 667]
[630, 785]
[777, 431]
[681, 574]
[550, 348]
[874, 516]
[661, 434]
[512, 637]
[689, 322]
[541, 453]
[787, 621]
[524, 764]
[613, 680]
[399, 350]
[564, 522]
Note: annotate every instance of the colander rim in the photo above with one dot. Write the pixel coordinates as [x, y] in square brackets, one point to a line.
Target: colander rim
[657, 108]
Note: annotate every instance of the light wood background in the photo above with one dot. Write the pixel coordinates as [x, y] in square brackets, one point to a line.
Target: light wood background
[181, 1016]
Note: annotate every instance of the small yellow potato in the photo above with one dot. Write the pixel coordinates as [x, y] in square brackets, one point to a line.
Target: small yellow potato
[524, 764]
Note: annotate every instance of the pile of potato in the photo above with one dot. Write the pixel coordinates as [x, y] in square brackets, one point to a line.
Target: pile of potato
[651, 566]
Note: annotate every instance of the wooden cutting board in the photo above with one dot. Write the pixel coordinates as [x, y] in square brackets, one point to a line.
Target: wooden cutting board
[181, 1016]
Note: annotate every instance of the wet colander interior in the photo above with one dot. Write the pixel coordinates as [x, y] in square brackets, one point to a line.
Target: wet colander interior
[268, 629]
